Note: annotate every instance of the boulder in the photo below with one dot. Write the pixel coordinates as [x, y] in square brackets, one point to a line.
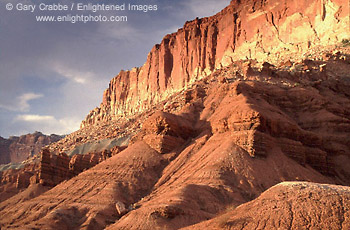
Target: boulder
[121, 209]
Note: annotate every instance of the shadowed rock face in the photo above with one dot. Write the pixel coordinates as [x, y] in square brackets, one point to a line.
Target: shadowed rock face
[19, 156]
[218, 143]
[164, 132]
[90, 198]
[237, 133]
[289, 205]
[254, 29]
[48, 169]
[18, 149]
[53, 169]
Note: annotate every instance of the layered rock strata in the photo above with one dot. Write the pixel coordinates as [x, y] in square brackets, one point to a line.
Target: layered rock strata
[18, 149]
[53, 169]
[289, 205]
[254, 29]
[244, 129]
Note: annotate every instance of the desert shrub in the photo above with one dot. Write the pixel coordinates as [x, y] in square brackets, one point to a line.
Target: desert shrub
[345, 42]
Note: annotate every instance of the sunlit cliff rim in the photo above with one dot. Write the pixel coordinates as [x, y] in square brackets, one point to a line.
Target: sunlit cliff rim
[254, 29]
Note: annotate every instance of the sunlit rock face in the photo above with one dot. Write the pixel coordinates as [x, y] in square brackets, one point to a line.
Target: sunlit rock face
[254, 96]
[262, 30]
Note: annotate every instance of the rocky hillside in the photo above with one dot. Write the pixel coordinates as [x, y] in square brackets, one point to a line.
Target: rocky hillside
[288, 206]
[208, 149]
[209, 133]
[251, 29]
[18, 149]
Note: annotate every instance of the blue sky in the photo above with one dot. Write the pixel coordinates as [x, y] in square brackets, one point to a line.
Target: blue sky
[53, 74]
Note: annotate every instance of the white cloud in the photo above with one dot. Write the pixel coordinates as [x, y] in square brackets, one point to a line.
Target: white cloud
[78, 76]
[47, 124]
[80, 80]
[25, 98]
[21, 103]
[35, 118]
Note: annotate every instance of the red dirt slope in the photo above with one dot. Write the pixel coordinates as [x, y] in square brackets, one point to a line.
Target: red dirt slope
[289, 205]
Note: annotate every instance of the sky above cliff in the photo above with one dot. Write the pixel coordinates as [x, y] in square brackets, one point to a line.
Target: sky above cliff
[53, 73]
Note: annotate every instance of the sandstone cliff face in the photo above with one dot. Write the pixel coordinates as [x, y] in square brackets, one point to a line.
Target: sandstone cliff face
[48, 170]
[18, 149]
[14, 180]
[106, 184]
[4, 151]
[254, 29]
[219, 144]
[53, 169]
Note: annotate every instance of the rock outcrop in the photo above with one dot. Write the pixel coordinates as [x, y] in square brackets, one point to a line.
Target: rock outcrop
[289, 205]
[18, 149]
[49, 169]
[252, 29]
[105, 185]
[53, 169]
[219, 140]
[165, 132]
[238, 132]
[14, 180]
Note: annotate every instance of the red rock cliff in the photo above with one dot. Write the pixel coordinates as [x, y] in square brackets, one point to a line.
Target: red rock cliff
[18, 149]
[255, 29]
